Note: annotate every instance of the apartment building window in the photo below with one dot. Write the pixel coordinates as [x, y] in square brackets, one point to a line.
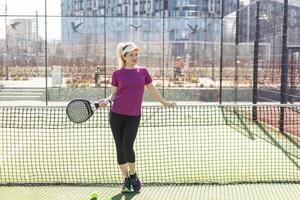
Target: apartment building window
[157, 5]
[89, 4]
[136, 7]
[101, 3]
[126, 11]
[119, 10]
[148, 7]
[211, 6]
[142, 7]
[78, 4]
[203, 6]
[185, 3]
[81, 4]
[194, 2]
[94, 4]
[101, 12]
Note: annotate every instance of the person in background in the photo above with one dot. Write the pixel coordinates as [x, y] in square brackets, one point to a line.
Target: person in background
[97, 75]
[178, 67]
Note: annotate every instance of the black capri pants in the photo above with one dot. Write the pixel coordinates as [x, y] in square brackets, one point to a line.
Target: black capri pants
[124, 129]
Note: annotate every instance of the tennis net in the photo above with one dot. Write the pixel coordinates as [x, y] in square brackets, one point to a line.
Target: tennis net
[204, 144]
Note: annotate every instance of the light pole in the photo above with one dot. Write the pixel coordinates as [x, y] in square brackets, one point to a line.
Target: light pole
[6, 43]
[37, 44]
[2, 70]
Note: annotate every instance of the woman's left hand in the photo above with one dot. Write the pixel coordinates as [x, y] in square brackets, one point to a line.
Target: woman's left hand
[169, 104]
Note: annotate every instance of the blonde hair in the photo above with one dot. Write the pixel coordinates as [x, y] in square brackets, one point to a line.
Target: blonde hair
[122, 49]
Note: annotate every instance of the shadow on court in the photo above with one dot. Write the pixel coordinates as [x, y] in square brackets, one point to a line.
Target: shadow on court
[123, 196]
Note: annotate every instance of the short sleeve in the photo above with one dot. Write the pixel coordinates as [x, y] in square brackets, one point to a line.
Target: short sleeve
[148, 78]
[114, 80]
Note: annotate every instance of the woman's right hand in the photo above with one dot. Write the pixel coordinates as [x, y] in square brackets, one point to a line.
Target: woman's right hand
[103, 103]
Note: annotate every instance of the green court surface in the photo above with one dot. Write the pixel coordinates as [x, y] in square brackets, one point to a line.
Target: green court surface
[207, 192]
[195, 152]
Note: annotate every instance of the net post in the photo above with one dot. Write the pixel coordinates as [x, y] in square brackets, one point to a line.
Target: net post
[292, 90]
[255, 66]
[221, 52]
[236, 52]
[284, 65]
[105, 47]
[46, 53]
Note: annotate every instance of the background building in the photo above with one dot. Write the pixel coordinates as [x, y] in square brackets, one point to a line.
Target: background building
[140, 21]
[22, 41]
[20, 36]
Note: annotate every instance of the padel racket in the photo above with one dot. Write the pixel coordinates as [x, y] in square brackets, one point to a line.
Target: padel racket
[80, 110]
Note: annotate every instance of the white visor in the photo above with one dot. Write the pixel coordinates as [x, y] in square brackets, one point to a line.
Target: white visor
[129, 48]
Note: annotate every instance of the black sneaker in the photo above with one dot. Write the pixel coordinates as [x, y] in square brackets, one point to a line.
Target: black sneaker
[126, 185]
[135, 182]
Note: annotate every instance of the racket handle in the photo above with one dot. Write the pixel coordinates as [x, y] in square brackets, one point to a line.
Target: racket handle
[96, 105]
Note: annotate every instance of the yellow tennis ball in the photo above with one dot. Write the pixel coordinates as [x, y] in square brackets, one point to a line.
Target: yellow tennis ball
[94, 196]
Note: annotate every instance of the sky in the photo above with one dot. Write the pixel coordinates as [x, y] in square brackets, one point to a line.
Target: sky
[29, 8]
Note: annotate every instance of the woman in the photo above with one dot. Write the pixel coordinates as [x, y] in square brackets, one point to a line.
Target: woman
[128, 83]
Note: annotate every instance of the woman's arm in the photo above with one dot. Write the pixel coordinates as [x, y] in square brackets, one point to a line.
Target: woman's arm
[112, 97]
[103, 102]
[155, 94]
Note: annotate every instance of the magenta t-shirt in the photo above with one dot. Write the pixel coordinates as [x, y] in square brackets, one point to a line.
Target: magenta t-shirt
[130, 84]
